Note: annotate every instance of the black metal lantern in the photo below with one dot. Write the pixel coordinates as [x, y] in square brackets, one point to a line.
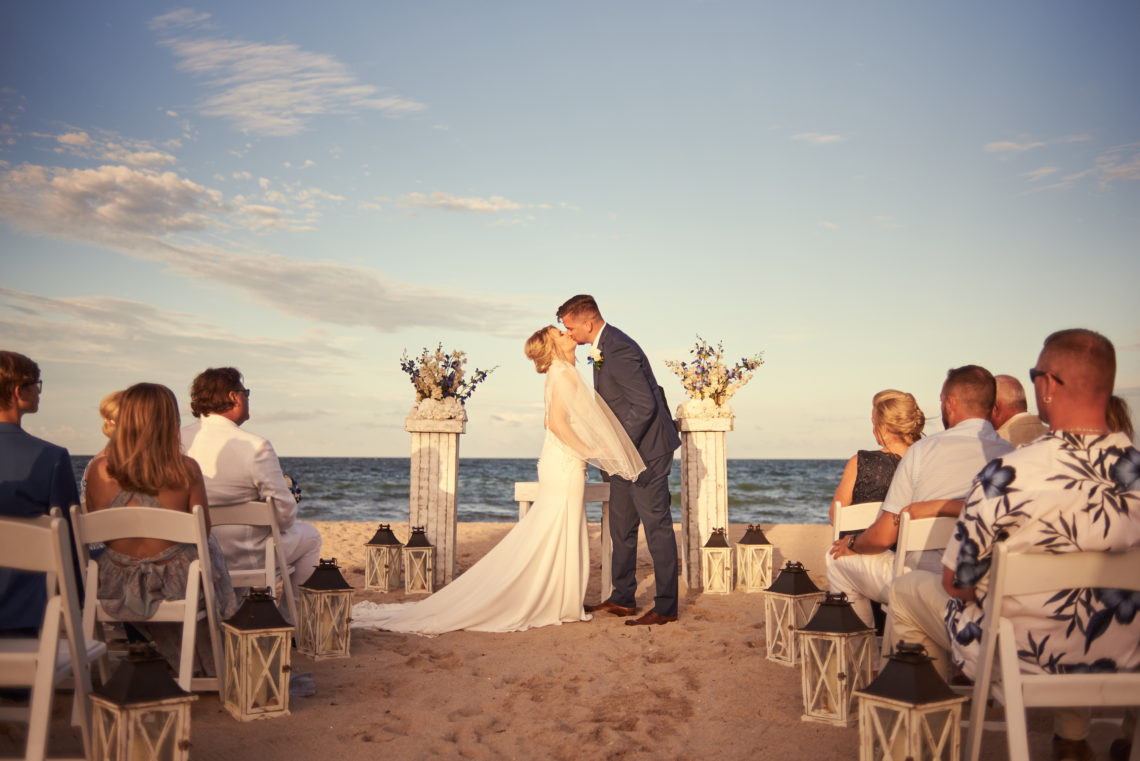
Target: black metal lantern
[836, 648]
[326, 600]
[258, 655]
[909, 711]
[141, 714]
[382, 560]
[788, 604]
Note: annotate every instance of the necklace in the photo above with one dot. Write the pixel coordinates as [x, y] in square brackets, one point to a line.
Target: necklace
[1086, 430]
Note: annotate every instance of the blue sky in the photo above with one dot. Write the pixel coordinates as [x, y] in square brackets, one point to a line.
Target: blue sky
[868, 193]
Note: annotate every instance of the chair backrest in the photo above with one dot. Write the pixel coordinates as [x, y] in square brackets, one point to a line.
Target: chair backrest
[854, 517]
[259, 514]
[921, 534]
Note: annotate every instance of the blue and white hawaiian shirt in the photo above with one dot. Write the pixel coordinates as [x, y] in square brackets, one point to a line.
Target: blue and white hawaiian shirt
[1061, 493]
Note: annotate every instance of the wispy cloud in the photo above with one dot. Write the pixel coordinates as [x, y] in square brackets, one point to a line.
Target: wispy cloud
[107, 146]
[1118, 164]
[449, 202]
[887, 221]
[144, 214]
[270, 89]
[1039, 174]
[1010, 147]
[817, 138]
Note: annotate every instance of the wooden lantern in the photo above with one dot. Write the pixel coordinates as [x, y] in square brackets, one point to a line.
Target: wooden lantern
[382, 560]
[326, 600]
[788, 604]
[258, 655]
[754, 560]
[836, 650]
[909, 712]
[419, 560]
[141, 714]
[716, 564]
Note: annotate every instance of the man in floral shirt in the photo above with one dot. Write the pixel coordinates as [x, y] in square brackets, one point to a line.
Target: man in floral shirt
[1077, 489]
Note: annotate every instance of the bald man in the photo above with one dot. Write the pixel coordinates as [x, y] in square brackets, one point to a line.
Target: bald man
[1011, 416]
[1076, 489]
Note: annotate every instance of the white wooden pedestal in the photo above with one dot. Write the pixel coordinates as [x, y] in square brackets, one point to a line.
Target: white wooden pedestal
[704, 489]
[433, 486]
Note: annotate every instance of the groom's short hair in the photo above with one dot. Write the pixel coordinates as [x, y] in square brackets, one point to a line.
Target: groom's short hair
[580, 304]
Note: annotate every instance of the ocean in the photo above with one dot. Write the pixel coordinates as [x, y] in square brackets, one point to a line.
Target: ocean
[375, 489]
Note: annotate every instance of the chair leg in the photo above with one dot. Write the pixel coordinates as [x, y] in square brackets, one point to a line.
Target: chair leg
[189, 629]
[1017, 733]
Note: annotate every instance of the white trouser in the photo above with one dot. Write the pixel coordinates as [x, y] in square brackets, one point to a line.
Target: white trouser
[862, 578]
[301, 545]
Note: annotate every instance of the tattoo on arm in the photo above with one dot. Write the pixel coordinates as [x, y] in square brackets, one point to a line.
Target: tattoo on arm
[896, 518]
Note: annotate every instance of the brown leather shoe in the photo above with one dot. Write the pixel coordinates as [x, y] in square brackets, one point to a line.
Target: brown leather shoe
[608, 606]
[652, 618]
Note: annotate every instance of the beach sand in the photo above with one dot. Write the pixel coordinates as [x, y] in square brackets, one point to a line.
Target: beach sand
[699, 688]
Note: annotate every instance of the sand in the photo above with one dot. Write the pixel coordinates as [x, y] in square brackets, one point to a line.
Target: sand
[698, 688]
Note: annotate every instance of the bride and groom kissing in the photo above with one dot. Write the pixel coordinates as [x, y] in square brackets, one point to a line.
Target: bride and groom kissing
[537, 575]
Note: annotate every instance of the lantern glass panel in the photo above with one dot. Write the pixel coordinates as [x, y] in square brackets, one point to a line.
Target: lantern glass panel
[717, 562]
[382, 567]
[834, 666]
[324, 631]
[784, 615]
[154, 734]
[754, 566]
[418, 570]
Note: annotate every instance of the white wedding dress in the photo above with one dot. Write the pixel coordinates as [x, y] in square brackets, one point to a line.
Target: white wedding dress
[537, 575]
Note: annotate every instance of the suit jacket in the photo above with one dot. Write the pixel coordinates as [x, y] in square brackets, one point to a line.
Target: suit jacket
[239, 466]
[1022, 428]
[626, 382]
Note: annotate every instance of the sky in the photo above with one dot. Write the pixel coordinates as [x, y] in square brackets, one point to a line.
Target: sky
[868, 193]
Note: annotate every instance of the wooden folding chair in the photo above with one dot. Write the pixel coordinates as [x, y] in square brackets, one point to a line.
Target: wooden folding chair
[42, 545]
[158, 523]
[1031, 573]
[854, 517]
[276, 566]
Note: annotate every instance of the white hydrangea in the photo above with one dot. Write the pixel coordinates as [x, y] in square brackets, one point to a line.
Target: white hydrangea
[448, 408]
[703, 408]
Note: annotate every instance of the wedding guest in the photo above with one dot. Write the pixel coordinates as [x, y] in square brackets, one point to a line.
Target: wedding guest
[108, 411]
[35, 476]
[1011, 417]
[933, 477]
[240, 466]
[143, 466]
[1075, 489]
[896, 422]
[1119, 417]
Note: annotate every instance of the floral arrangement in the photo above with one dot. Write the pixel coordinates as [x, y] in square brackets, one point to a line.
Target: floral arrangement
[709, 382]
[442, 385]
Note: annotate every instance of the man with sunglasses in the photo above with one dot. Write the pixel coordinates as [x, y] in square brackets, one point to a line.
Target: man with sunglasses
[240, 466]
[35, 476]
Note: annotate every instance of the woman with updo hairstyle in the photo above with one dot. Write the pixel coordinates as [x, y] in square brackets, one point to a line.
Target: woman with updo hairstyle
[896, 422]
[108, 411]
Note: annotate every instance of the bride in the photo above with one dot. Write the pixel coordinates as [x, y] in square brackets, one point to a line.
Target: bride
[537, 575]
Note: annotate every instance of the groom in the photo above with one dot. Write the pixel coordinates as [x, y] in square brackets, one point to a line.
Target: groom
[624, 379]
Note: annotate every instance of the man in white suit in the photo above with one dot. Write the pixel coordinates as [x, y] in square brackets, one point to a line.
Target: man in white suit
[1011, 417]
[240, 466]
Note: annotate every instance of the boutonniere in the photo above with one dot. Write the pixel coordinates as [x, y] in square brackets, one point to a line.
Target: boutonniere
[596, 359]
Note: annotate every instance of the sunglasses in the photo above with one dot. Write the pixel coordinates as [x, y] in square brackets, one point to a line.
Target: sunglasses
[1034, 374]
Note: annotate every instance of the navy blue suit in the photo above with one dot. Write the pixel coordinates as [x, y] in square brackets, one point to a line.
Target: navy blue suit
[626, 382]
[35, 476]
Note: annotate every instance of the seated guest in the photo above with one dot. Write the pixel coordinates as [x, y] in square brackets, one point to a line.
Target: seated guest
[934, 471]
[239, 466]
[896, 422]
[1075, 489]
[143, 466]
[1119, 417]
[35, 476]
[108, 411]
[1011, 416]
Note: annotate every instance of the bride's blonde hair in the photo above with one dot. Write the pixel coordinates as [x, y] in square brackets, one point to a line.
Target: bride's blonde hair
[540, 348]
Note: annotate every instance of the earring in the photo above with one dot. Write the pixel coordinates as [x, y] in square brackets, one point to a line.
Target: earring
[1047, 400]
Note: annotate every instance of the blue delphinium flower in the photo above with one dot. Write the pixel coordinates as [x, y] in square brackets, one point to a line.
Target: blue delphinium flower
[1125, 472]
[968, 633]
[970, 568]
[995, 478]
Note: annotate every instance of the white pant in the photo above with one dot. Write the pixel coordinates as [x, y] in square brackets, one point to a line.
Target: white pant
[301, 545]
[862, 578]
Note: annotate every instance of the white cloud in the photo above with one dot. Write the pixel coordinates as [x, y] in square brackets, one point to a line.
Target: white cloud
[273, 89]
[243, 176]
[817, 138]
[368, 205]
[828, 225]
[263, 182]
[1008, 147]
[308, 163]
[887, 221]
[183, 17]
[449, 202]
[1119, 164]
[78, 139]
[173, 114]
[1039, 174]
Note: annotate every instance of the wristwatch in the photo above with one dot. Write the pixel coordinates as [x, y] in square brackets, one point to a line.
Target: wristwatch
[851, 543]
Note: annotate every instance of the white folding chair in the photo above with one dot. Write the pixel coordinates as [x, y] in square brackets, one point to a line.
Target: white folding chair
[1030, 573]
[41, 663]
[156, 523]
[920, 535]
[260, 514]
[854, 517]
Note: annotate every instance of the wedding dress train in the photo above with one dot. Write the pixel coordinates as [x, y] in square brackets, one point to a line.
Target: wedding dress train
[535, 576]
